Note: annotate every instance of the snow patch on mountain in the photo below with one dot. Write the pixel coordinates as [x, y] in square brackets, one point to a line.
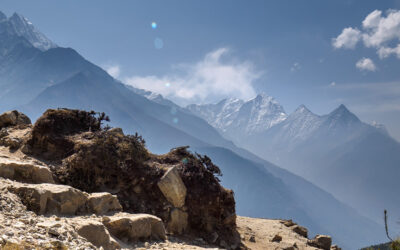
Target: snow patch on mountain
[300, 124]
[230, 115]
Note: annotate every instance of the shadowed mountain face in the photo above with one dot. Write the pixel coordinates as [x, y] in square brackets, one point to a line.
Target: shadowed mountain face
[34, 80]
[321, 209]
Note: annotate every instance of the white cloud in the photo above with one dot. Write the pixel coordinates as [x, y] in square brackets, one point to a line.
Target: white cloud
[379, 32]
[372, 20]
[366, 64]
[348, 39]
[113, 70]
[384, 52]
[208, 80]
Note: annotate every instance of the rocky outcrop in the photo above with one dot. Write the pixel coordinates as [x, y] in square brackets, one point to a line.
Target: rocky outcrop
[71, 184]
[25, 171]
[95, 160]
[62, 200]
[50, 136]
[300, 230]
[321, 241]
[50, 199]
[295, 228]
[13, 118]
[97, 230]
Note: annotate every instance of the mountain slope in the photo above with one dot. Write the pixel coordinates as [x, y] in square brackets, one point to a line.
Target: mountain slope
[346, 226]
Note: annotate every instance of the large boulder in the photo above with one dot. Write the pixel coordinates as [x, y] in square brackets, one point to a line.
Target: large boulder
[50, 198]
[13, 118]
[173, 188]
[25, 171]
[133, 227]
[321, 241]
[103, 203]
[300, 230]
[96, 233]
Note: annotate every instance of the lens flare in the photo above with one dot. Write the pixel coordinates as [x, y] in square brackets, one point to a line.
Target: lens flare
[154, 25]
[167, 84]
[175, 120]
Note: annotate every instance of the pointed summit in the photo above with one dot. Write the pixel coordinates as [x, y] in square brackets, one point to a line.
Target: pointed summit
[3, 17]
[302, 113]
[342, 110]
[18, 17]
[24, 28]
[342, 114]
[302, 109]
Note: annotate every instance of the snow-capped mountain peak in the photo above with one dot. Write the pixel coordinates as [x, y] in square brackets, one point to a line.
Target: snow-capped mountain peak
[233, 116]
[21, 26]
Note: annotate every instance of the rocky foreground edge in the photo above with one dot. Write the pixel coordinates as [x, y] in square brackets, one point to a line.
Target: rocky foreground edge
[68, 183]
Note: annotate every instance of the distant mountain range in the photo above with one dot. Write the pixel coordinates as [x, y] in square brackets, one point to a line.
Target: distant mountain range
[358, 163]
[36, 75]
[235, 117]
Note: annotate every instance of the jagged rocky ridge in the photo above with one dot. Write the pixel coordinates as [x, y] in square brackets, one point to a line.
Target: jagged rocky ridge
[18, 25]
[67, 167]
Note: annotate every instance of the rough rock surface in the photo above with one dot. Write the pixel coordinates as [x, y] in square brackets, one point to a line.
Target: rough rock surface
[96, 233]
[25, 171]
[321, 241]
[178, 222]
[50, 199]
[300, 230]
[13, 118]
[133, 227]
[103, 203]
[171, 185]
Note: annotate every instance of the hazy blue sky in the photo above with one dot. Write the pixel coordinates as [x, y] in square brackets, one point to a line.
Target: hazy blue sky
[202, 51]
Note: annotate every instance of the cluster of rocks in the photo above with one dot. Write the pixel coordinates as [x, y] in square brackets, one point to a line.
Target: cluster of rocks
[61, 215]
[279, 234]
[319, 241]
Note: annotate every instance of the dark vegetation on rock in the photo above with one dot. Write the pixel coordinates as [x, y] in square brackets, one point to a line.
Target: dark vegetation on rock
[96, 159]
